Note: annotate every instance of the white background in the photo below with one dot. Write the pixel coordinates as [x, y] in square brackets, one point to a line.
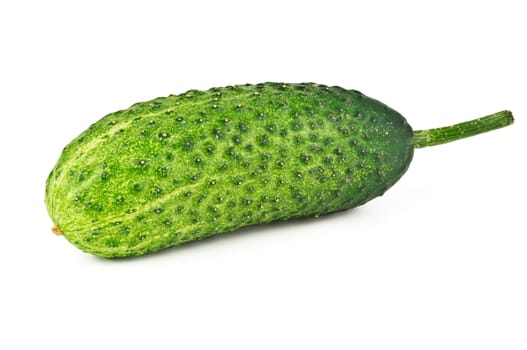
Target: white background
[439, 262]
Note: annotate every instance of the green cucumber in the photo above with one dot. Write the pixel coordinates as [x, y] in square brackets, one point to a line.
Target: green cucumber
[186, 167]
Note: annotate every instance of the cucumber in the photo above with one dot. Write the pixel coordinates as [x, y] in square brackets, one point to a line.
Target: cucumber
[185, 167]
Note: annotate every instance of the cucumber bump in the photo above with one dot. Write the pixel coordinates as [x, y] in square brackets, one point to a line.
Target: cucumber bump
[189, 166]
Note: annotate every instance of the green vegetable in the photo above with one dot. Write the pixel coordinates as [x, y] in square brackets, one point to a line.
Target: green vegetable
[185, 167]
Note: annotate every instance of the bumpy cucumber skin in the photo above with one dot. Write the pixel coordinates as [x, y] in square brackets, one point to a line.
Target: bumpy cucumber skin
[182, 168]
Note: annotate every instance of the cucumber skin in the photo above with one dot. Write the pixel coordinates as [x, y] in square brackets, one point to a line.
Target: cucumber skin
[185, 167]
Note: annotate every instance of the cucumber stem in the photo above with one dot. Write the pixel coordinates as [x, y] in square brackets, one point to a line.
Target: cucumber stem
[56, 230]
[432, 137]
